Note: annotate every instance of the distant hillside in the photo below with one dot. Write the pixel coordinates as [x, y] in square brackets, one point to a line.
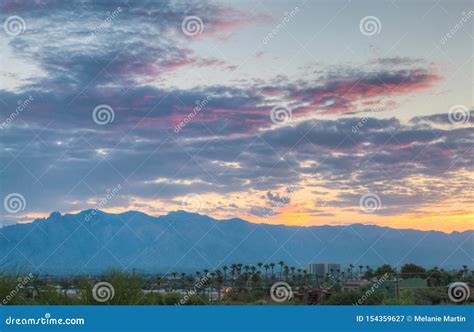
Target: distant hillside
[180, 241]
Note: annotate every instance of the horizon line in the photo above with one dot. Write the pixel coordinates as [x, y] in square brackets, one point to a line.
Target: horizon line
[74, 213]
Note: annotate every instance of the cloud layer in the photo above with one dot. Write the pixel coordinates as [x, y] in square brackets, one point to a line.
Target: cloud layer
[227, 148]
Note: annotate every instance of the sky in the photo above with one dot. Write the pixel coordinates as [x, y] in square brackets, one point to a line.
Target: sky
[279, 112]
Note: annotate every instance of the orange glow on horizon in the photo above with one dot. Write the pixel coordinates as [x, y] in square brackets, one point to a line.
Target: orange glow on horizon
[432, 222]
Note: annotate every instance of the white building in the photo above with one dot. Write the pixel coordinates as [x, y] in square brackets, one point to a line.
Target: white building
[321, 269]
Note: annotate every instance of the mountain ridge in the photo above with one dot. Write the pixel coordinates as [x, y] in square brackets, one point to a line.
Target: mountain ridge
[93, 241]
[184, 213]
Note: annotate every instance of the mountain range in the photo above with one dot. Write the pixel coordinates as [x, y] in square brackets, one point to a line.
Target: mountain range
[93, 242]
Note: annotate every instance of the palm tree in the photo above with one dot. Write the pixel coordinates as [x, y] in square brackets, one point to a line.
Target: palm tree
[246, 268]
[212, 279]
[208, 285]
[266, 267]
[198, 276]
[159, 281]
[174, 277]
[220, 281]
[360, 271]
[225, 268]
[260, 266]
[281, 263]
[233, 272]
[238, 271]
[350, 270]
[272, 266]
[245, 279]
[465, 270]
[183, 279]
[287, 271]
[255, 279]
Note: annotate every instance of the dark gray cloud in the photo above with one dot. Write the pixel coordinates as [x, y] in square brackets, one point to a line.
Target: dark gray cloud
[277, 199]
[62, 169]
[263, 212]
[462, 116]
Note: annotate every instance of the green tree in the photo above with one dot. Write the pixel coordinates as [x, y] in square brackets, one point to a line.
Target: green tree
[438, 278]
[384, 269]
[266, 267]
[220, 282]
[281, 263]
[245, 279]
[286, 271]
[272, 266]
[412, 271]
[255, 279]
[225, 268]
